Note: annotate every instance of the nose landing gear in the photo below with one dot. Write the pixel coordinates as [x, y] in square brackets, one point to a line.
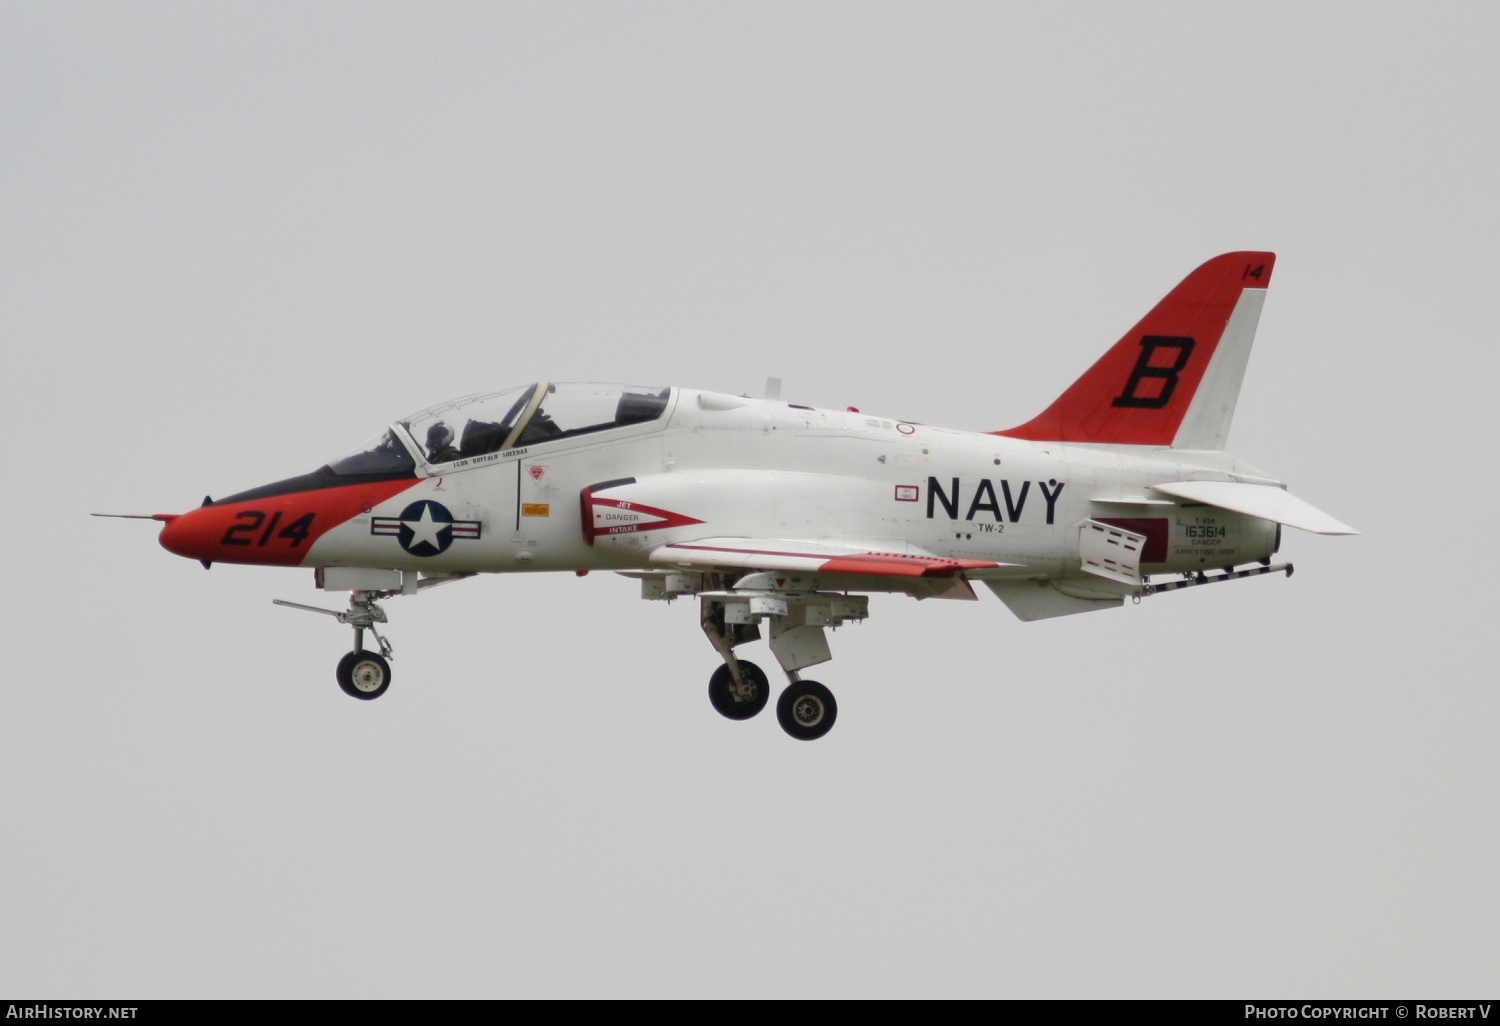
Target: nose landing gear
[367, 675]
[363, 675]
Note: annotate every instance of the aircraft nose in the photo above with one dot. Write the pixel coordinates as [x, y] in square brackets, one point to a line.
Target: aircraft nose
[274, 525]
[194, 535]
[275, 530]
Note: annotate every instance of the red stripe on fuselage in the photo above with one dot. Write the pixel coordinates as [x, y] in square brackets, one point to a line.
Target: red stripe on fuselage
[275, 531]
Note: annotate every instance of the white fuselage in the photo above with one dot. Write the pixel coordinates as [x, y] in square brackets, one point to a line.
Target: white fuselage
[759, 468]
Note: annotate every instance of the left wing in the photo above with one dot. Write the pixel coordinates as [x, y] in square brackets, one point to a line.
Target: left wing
[813, 557]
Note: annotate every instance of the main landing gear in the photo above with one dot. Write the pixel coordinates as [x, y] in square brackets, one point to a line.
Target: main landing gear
[806, 709]
[739, 689]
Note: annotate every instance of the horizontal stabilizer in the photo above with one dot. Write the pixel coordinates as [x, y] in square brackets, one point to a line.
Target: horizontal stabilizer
[1257, 500]
[811, 557]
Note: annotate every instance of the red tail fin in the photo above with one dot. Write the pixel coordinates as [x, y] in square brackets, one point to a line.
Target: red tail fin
[1139, 391]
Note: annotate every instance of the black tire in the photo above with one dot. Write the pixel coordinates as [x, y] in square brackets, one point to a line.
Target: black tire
[736, 707]
[806, 710]
[364, 675]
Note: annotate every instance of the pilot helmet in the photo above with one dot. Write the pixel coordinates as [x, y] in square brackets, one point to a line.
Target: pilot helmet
[439, 436]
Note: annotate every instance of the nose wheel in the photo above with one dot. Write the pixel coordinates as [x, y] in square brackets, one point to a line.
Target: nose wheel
[364, 675]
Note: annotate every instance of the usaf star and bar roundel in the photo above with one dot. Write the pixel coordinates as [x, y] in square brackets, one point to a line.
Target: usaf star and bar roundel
[425, 528]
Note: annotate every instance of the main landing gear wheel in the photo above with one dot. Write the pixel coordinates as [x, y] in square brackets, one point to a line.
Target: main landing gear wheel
[744, 701]
[806, 710]
[364, 675]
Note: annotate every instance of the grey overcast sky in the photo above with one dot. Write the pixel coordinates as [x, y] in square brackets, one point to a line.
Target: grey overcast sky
[237, 239]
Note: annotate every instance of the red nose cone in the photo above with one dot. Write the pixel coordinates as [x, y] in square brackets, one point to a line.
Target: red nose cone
[192, 535]
[274, 530]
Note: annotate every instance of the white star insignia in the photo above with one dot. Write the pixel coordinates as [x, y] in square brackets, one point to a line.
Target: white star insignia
[426, 529]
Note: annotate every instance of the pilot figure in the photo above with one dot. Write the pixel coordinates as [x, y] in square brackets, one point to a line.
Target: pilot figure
[440, 443]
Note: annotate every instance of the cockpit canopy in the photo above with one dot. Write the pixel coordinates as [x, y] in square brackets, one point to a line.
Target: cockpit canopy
[490, 422]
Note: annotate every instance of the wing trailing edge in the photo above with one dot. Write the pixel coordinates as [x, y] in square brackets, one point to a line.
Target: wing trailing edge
[813, 557]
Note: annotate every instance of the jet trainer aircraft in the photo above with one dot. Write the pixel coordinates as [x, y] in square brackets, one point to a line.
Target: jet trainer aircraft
[781, 518]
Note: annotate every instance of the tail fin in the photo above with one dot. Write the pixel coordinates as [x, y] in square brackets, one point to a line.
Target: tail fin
[1174, 378]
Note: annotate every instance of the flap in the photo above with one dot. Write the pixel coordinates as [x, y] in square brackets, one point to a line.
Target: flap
[812, 557]
[1257, 500]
